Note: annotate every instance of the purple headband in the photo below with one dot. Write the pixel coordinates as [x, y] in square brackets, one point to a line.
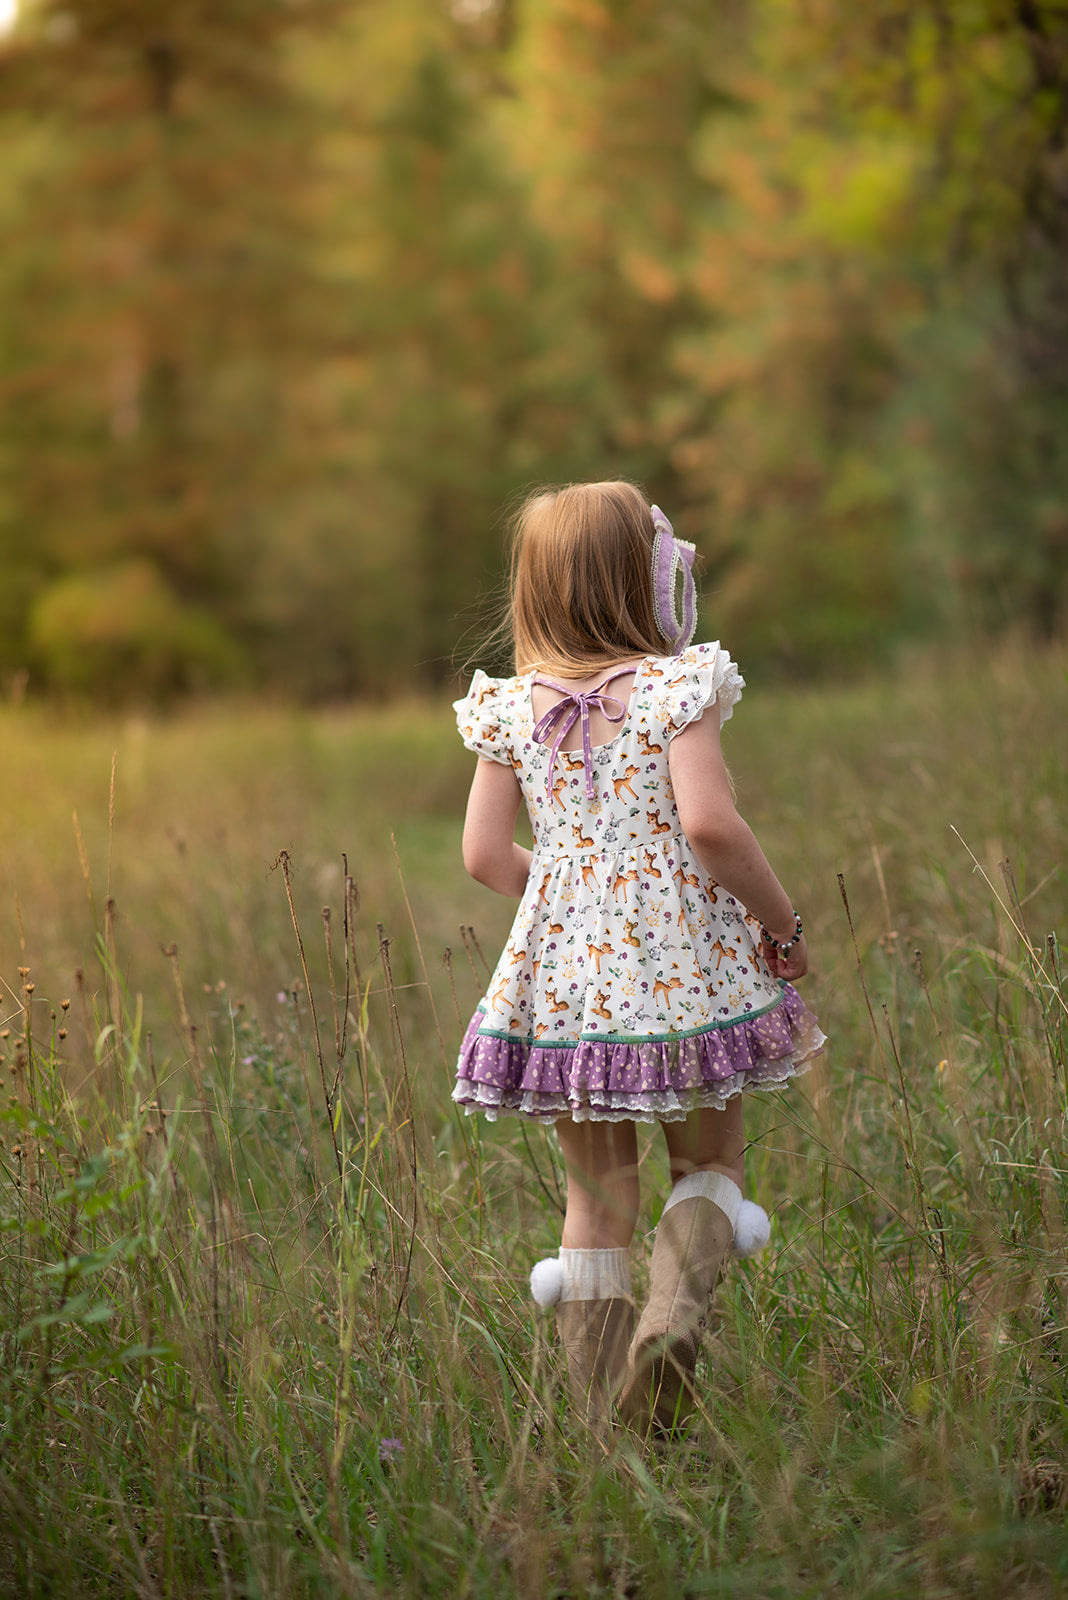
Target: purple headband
[673, 558]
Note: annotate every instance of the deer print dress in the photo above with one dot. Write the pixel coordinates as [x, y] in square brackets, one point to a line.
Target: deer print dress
[632, 986]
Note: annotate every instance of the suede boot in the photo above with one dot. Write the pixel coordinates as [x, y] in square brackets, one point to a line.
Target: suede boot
[595, 1321]
[693, 1241]
[595, 1335]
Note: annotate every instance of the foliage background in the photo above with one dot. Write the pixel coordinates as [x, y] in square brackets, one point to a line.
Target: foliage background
[295, 298]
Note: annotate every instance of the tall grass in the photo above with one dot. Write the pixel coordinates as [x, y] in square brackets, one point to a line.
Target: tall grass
[265, 1328]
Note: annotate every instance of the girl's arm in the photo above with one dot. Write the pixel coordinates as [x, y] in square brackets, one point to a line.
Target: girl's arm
[491, 854]
[724, 843]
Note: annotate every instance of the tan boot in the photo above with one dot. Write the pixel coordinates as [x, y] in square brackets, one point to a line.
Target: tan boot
[595, 1319]
[692, 1244]
[595, 1335]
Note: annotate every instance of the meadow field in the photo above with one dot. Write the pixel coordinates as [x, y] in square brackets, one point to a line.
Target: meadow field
[265, 1323]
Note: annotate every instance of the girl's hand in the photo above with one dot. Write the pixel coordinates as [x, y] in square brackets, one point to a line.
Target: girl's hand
[794, 964]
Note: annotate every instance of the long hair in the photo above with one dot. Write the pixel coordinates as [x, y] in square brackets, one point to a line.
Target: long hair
[581, 579]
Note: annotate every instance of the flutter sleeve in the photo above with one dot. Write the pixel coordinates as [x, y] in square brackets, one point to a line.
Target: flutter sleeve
[699, 677]
[480, 717]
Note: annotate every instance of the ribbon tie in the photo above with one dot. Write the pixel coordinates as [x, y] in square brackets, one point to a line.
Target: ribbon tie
[574, 707]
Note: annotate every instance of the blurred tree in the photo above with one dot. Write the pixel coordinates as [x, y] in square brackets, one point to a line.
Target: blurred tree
[972, 103]
[794, 363]
[156, 300]
[297, 295]
[609, 95]
[984, 89]
[458, 393]
[279, 328]
[879, 381]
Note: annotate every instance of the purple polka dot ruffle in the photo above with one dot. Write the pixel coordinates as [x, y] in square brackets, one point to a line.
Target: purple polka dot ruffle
[648, 1081]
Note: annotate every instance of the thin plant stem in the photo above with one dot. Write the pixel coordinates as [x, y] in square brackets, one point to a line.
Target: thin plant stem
[284, 861]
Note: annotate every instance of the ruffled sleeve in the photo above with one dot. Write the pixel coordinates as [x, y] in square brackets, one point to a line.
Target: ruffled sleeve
[687, 684]
[480, 716]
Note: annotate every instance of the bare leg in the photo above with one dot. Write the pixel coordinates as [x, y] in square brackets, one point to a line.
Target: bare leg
[601, 1160]
[595, 1314]
[708, 1141]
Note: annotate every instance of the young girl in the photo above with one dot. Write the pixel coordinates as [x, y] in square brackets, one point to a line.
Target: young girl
[646, 976]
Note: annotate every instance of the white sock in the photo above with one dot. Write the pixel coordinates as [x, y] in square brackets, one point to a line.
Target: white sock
[582, 1275]
[714, 1186]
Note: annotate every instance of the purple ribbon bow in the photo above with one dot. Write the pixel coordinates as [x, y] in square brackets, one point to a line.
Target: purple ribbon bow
[562, 717]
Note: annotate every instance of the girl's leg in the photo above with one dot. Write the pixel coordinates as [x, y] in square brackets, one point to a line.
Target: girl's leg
[601, 1161]
[708, 1141]
[595, 1312]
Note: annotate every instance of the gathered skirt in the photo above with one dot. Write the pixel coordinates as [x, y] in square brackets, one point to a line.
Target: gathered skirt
[635, 1080]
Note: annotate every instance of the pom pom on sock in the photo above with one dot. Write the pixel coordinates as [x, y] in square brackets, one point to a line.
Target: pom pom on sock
[547, 1281]
[752, 1229]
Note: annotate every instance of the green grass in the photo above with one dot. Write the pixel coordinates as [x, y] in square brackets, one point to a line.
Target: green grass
[233, 1264]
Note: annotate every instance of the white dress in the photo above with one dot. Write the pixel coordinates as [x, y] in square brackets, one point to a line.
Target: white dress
[632, 986]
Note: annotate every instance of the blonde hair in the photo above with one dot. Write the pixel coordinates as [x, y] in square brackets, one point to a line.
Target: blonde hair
[581, 579]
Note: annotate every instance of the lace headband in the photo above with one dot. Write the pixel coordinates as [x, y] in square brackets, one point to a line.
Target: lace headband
[673, 558]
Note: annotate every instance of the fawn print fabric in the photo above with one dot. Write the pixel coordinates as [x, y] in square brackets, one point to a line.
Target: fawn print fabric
[632, 985]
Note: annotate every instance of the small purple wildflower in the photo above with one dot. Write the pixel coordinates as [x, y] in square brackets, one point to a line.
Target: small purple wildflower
[389, 1451]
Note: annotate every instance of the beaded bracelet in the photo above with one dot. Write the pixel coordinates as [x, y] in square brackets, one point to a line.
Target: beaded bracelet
[782, 946]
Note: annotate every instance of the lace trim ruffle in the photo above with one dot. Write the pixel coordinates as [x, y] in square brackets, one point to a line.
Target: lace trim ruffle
[660, 1081]
[647, 1107]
